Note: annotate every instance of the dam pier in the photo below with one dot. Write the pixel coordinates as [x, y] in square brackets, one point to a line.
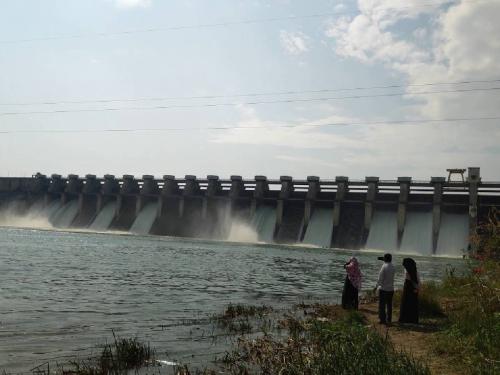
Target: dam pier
[437, 216]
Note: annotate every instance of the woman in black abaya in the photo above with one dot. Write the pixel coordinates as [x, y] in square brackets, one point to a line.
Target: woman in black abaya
[409, 301]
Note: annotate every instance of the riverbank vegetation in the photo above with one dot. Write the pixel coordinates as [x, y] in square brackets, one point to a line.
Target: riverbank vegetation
[471, 332]
[119, 357]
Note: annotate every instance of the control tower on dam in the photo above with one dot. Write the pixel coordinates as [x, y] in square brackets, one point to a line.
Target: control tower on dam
[437, 216]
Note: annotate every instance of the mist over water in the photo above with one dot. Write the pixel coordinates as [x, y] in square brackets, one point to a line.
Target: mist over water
[14, 214]
[242, 232]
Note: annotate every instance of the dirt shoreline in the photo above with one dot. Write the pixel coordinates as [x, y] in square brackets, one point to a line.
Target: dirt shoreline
[415, 339]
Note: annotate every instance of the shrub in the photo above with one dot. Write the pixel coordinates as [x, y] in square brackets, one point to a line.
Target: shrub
[473, 333]
[318, 346]
[429, 306]
[118, 358]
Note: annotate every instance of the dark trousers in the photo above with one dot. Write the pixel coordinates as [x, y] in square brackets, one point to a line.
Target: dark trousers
[385, 306]
[349, 295]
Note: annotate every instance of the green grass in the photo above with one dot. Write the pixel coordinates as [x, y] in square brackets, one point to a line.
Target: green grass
[117, 358]
[238, 318]
[472, 304]
[428, 302]
[319, 347]
[240, 310]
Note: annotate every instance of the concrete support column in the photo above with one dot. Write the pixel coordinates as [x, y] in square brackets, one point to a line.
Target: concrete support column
[129, 186]
[342, 189]
[57, 186]
[404, 193]
[74, 185]
[149, 185]
[285, 193]
[149, 188]
[170, 189]
[371, 195]
[170, 186]
[73, 188]
[236, 191]
[92, 186]
[40, 184]
[312, 193]
[109, 187]
[190, 189]
[474, 180]
[213, 189]
[260, 192]
[437, 200]
[237, 187]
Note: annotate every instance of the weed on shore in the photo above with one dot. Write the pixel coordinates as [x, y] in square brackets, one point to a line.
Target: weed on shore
[117, 358]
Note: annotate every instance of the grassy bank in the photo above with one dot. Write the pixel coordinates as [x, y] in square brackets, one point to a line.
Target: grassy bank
[471, 333]
[310, 339]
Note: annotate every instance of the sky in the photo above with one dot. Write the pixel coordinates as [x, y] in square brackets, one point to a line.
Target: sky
[360, 88]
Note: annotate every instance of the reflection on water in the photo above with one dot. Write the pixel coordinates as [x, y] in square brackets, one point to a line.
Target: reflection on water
[63, 292]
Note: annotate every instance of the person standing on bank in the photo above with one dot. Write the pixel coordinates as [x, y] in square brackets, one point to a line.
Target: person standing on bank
[409, 301]
[352, 285]
[385, 285]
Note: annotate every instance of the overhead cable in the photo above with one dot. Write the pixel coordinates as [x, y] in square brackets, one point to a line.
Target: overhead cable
[234, 104]
[253, 94]
[259, 127]
[223, 24]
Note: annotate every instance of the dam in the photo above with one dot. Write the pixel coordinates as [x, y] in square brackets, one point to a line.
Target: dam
[437, 216]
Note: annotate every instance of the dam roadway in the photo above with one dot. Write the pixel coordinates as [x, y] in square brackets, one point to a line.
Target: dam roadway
[430, 217]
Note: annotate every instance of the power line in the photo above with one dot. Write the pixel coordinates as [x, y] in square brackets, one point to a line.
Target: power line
[288, 126]
[221, 24]
[233, 104]
[254, 94]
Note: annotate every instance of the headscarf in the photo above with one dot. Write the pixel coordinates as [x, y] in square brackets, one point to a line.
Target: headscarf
[353, 272]
[411, 267]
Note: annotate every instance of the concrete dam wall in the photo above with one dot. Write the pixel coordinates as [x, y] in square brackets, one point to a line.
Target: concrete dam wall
[427, 217]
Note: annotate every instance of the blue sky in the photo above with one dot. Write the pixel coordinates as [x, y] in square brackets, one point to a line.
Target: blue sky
[362, 43]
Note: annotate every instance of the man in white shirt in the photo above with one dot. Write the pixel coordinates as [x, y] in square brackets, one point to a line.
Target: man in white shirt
[385, 285]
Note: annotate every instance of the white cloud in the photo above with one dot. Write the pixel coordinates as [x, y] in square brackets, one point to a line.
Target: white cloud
[339, 7]
[422, 150]
[251, 130]
[126, 4]
[420, 33]
[460, 46]
[295, 43]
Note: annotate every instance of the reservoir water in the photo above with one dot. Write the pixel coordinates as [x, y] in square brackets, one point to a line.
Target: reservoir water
[62, 292]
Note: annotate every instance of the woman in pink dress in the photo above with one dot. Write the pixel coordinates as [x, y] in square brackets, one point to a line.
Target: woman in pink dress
[352, 285]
